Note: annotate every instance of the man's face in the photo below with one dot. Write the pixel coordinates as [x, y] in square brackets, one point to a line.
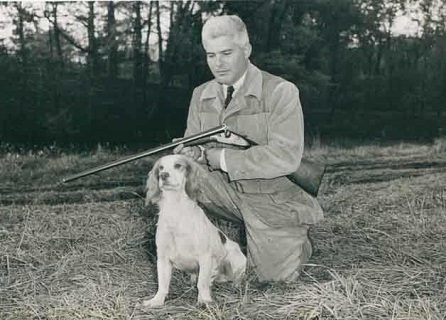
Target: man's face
[226, 59]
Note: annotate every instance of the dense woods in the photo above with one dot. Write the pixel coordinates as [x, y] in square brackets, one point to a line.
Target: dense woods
[123, 72]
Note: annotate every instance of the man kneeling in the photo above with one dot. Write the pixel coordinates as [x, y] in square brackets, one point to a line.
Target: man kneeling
[250, 186]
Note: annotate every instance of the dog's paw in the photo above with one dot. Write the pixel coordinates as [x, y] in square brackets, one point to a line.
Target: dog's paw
[204, 302]
[221, 278]
[193, 279]
[155, 302]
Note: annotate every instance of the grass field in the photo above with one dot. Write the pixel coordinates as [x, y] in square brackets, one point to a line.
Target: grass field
[81, 250]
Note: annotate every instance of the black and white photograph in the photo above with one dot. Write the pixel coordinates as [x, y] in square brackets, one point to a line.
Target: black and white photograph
[240, 160]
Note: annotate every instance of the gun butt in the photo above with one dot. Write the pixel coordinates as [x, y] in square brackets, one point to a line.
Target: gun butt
[308, 176]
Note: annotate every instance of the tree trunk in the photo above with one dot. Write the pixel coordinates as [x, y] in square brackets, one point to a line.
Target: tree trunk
[93, 59]
[57, 35]
[335, 61]
[160, 43]
[21, 33]
[278, 12]
[137, 47]
[146, 62]
[112, 45]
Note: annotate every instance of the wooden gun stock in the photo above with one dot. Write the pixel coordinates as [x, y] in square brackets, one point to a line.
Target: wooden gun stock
[308, 176]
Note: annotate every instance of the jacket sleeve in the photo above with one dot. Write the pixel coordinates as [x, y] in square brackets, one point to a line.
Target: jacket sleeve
[285, 140]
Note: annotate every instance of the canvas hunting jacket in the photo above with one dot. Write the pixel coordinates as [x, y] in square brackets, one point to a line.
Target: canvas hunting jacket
[267, 110]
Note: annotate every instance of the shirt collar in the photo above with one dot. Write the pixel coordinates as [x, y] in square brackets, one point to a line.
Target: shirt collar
[252, 85]
[237, 85]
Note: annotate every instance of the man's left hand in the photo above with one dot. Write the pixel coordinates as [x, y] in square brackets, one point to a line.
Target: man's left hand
[212, 156]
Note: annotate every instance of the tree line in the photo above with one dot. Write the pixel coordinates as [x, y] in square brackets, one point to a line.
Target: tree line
[123, 72]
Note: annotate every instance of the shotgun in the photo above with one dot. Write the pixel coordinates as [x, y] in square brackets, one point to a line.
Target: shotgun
[308, 176]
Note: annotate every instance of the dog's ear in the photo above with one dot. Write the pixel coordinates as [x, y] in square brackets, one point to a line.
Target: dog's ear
[153, 192]
[193, 179]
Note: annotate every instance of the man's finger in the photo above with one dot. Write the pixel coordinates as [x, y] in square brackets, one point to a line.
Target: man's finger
[212, 156]
[178, 148]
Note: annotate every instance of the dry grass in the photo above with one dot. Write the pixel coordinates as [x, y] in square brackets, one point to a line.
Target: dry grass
[81, 251]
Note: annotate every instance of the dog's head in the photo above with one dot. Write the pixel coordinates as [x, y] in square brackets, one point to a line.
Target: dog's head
[176, 173]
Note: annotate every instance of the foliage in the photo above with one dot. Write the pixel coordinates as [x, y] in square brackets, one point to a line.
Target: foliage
[123, 72]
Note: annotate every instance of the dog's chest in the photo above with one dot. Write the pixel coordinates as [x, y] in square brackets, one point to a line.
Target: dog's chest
[183, 236]
[183, 251]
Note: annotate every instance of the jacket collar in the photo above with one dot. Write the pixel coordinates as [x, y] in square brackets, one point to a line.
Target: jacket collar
[251, 86]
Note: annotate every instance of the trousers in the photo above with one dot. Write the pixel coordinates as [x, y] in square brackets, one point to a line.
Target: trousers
[276, 224]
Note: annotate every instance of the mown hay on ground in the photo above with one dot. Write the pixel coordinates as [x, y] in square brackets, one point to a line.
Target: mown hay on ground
[83, 250]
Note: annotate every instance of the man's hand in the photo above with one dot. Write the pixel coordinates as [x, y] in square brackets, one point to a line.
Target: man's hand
[212, 156]
[193, 152]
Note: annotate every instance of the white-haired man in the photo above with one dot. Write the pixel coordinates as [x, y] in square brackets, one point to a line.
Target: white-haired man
[250, 186]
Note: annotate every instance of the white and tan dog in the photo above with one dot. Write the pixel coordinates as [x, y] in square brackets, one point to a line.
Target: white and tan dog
[185, 238]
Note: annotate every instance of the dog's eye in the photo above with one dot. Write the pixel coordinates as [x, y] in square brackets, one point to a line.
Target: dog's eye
[177, 166]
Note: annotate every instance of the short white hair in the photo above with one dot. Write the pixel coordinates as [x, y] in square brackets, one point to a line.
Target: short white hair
[226, 25]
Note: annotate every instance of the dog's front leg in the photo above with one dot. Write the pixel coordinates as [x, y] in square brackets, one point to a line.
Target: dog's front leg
[205, 280]
[164, 267]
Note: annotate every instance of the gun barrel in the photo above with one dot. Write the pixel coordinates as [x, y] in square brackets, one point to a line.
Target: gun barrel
[187, 140]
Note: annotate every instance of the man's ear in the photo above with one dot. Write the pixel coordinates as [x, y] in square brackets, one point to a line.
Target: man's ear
[247, 49]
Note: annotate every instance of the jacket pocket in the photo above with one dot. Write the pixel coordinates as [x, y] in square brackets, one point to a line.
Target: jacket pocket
[291, 207]
[253, 126]
[282, 196]
[209, 120]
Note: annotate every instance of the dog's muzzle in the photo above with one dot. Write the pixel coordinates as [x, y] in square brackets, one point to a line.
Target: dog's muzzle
[164, 176]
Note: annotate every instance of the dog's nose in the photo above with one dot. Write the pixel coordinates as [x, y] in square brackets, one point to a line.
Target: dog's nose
[164, 175]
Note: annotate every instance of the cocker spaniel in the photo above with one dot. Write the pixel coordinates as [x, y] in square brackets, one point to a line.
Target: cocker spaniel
[185, 238]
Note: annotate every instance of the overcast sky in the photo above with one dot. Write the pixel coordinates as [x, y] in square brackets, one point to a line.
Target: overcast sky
[403, 23]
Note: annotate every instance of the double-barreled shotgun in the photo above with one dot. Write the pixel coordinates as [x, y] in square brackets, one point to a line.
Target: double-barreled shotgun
[308, 176]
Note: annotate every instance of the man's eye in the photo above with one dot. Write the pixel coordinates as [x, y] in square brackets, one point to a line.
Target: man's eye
[210, 55]
[177, 166]
[161, 167]
[227, 53]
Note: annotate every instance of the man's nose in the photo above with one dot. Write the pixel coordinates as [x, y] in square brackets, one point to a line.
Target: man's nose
[164, 175]
[218, 60]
